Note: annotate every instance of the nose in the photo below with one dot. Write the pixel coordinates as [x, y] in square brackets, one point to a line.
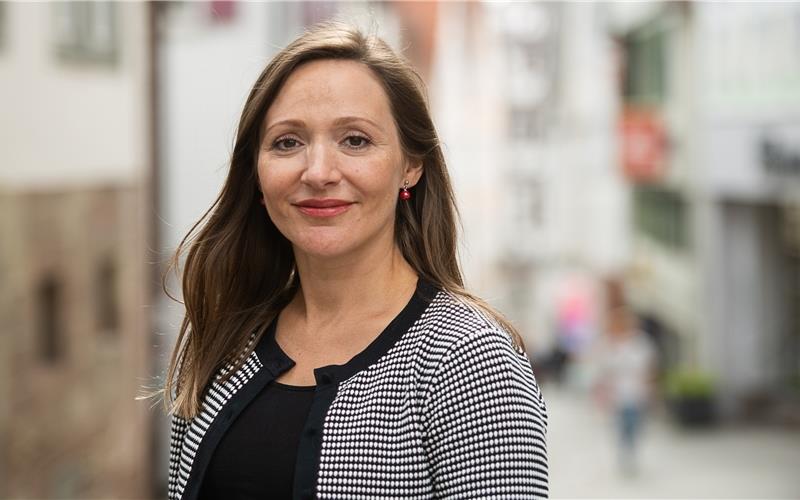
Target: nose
[321, 168]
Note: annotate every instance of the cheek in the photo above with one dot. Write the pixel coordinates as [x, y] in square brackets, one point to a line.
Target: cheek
[261, 173]
[271, 181]
[383, 177]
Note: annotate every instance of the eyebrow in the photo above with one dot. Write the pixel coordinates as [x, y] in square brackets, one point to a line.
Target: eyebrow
[344, 120]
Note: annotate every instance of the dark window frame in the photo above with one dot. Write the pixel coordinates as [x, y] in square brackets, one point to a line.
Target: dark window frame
[662, 215]
[646, 77]
[107, 303]
[49, 315]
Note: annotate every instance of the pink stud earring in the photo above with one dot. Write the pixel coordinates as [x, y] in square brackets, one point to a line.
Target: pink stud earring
[405, 194]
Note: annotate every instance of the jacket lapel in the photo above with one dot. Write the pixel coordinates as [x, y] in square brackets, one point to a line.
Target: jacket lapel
[223, 402]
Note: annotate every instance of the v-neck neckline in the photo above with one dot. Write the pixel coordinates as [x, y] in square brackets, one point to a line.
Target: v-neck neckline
[270, 351]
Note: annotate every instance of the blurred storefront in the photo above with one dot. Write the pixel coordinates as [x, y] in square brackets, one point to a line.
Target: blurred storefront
[709, 132]
[75, 174]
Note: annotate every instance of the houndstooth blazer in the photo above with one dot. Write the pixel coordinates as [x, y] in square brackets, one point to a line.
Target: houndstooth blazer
[440, 405]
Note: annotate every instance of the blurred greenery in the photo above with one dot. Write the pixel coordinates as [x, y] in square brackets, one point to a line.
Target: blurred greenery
[685, 383]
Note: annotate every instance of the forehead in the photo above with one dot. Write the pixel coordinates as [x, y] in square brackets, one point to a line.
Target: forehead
[329, 88]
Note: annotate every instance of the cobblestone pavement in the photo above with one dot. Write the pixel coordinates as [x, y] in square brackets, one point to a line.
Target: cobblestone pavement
[727, 462]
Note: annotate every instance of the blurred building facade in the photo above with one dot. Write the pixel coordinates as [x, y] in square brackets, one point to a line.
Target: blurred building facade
[74, 174]
[710, 128]
[530, 144]
[649, 147]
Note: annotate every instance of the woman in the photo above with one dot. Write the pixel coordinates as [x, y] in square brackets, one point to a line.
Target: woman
[626, 376]
[329, 349]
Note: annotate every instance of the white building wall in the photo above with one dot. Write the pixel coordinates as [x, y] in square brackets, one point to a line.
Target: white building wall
[206, 70]
[592, 211]
[587, 225]
[67, 123]
[468, 111]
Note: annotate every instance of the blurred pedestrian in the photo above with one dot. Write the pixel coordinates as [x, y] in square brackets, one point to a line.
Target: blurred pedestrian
[625, 359]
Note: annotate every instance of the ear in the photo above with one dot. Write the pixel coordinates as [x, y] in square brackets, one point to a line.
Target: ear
[413, 172]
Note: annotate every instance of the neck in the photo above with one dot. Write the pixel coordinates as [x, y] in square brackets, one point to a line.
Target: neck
[372, 284]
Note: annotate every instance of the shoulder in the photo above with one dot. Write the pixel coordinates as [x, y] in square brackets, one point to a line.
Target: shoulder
[450, 323]
[467, 361]
[456, 339]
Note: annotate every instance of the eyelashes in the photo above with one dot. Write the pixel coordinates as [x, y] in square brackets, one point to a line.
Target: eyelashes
[282, 141]
[363, 141]
[353, 141]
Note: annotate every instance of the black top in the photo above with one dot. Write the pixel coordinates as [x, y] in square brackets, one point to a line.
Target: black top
[256, 457]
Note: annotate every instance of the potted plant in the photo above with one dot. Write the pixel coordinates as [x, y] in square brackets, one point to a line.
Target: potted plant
[690, 397]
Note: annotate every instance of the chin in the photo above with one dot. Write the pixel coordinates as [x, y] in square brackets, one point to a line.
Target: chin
[323, 252]
[324, 245]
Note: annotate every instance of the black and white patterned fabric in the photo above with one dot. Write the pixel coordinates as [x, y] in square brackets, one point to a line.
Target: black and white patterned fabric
[186, 436]
[441, 405]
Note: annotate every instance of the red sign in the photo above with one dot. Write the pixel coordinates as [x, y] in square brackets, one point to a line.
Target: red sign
[643, 145]
[222, 11]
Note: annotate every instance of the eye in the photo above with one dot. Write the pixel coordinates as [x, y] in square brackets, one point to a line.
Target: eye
[285, 143]
[356, 141]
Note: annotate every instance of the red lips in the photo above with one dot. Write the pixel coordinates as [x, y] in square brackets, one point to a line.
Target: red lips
[323, 207]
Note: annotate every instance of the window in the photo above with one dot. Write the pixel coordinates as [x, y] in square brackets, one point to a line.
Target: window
[107, 313]
[645, 66]
[526, 124]
[661, 215]
[50, 334]
[527, 204]
[528, 57]
[86, 31]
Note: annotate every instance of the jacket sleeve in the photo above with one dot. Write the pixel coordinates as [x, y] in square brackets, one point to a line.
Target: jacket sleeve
[486, 422]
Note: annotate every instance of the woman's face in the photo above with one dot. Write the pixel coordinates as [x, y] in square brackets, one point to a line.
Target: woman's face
[330, 165]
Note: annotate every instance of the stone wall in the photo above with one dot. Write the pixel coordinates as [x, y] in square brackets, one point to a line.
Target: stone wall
[75, 344]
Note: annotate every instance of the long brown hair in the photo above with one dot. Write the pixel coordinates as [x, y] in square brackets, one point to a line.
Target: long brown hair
[240, 270]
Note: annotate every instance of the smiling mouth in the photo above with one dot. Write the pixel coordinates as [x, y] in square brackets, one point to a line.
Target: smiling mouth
[323, 208]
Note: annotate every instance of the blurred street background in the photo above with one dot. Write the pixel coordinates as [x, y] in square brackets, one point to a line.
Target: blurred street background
[628, 176]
